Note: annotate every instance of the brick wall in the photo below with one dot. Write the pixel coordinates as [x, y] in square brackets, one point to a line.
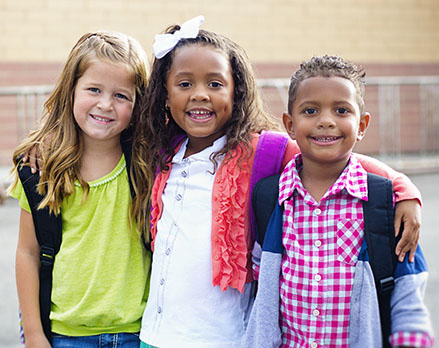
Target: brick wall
[390, 37]
[383, 31]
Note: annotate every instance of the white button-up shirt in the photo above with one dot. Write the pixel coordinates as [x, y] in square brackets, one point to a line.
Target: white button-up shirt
[183, 308]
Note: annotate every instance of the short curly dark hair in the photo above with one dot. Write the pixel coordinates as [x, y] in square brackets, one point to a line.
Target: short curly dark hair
[327, 66]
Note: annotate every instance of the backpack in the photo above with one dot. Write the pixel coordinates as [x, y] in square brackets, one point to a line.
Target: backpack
[48, 230]
[378, 230]
[48, 227]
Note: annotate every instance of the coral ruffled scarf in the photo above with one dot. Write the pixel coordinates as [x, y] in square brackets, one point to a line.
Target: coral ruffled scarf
[230, 235]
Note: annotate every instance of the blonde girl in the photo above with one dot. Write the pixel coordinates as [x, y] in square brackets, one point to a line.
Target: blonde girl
[101, 270]
[201, 122]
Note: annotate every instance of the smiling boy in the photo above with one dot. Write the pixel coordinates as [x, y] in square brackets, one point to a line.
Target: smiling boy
[318, 270]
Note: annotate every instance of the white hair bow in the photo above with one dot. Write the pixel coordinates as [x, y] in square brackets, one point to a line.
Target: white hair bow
[164, 43]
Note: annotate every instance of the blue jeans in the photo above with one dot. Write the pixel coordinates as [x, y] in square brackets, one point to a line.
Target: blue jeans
[118, 340]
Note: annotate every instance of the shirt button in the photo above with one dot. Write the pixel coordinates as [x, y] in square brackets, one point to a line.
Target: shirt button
[318, 243]
[217, 257]
[162, 281]
[184, 174]
[317, 211]
[178, 197]
[159, 310]
[168, 251]
[316, 312]
[314, 345]
[318, 277]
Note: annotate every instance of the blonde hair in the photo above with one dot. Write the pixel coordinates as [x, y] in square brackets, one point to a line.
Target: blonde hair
[58, 140]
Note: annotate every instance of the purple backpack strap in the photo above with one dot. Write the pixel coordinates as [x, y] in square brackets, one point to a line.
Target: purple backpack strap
[268, 160]
[174, 142]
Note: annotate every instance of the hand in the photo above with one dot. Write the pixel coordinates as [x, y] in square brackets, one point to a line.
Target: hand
[33, 157]
[408, 213]
[37, 341]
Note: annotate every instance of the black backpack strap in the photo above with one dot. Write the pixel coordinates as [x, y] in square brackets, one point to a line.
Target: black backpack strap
[378, 229]
[264, 197]
[48, 230]
[381, 242]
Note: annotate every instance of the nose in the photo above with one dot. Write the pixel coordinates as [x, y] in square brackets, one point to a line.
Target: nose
[105, 102]
[200, 93]
[326, 119]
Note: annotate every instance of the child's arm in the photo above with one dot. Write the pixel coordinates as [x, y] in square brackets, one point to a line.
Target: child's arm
[408, 207]
[26, 267]
[410, 321]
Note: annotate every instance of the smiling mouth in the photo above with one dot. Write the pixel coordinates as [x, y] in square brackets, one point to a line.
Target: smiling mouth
[325, 139]
[101, 118]
[200, 115]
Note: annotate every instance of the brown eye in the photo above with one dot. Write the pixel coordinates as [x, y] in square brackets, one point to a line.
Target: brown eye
[342, 111]
[310, 111]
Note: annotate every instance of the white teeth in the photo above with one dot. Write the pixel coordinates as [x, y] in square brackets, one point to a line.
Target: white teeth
[199, 115]
[326, 139]
[100, 118]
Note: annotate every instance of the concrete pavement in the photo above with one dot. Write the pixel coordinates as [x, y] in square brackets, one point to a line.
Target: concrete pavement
[9, 216]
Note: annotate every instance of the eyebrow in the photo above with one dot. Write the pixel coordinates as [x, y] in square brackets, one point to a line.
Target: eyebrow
[212, 74]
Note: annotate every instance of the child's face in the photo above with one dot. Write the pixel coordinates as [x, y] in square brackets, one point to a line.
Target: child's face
[200, 93]
[326, 120]
[104, 99]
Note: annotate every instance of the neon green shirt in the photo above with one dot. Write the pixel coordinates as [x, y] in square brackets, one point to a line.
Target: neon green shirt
[101, 272]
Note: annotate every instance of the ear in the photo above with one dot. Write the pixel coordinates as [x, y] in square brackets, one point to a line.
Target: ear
[362, 127]
[288, 122]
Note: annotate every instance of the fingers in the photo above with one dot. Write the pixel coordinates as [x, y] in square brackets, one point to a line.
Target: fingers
[408, 243]
[397, 223]
[408, 215]
[412, 253]
[32, 156]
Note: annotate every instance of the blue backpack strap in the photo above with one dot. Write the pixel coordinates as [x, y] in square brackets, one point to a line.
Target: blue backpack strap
[48, 230]
[381, 242]
[268, 160]
[264, 199]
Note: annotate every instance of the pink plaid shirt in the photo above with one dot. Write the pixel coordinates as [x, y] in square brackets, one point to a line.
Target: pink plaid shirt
[322, 241]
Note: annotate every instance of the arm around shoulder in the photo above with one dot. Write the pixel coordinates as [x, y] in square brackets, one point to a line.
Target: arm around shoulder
[402, 186]
[408, 208]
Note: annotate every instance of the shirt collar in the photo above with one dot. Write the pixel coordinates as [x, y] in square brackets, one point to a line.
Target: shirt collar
[353, 179]
[203, 155]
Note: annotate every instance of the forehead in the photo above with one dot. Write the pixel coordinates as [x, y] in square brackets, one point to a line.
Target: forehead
[333, 87]
[111, 74]
[196, 58]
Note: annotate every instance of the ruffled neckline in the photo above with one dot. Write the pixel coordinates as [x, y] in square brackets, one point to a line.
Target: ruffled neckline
[120, 167]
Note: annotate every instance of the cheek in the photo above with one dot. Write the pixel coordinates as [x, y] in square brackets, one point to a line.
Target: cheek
[228, 105]
[128, 112]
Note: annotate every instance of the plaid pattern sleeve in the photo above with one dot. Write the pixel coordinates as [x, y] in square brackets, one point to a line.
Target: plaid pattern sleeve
[322, 241]
[411, 339]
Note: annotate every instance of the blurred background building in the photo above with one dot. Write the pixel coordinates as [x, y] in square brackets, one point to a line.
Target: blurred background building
[396, 41]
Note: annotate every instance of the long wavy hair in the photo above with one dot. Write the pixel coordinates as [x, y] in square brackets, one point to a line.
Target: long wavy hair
[156, 128]
[58, 136]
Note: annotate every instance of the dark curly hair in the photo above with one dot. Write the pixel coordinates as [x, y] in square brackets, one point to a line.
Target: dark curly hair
[155, 130]
[327, 66]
